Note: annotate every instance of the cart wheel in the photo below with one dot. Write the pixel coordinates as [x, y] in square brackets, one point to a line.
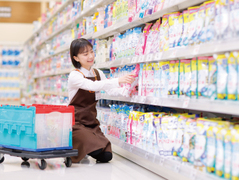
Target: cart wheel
[1, 160]
[25, 159]
[68, 162]
[25, 164]
[43, 164]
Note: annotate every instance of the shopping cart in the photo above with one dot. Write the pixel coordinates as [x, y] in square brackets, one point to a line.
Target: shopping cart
[37, 132]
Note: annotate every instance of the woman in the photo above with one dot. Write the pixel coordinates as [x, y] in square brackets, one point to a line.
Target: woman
[83, 84]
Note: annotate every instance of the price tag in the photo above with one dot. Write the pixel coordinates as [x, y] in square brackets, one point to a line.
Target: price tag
[158, 56]
[150, 57]
[155, 101]
[130, 148]
[173, 55]
[176, 168]
[186, 102]
[196, 50]
[143, 99]
[193, 174]
[161, 161]
[141, 59]
[134, 59]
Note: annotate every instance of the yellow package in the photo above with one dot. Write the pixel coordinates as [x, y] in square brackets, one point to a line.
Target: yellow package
[228, 154]
[235, 154]
[202, 81]
[178, 147]
[194, 79]
[164, 38]
[219, 162]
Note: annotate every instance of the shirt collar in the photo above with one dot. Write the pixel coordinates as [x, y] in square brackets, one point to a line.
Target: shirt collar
[86, 72]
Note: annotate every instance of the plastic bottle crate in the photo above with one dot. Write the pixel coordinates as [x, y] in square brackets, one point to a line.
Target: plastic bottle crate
[36, 127]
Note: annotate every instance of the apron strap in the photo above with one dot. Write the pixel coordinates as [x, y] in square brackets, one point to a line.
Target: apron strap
[97, 74]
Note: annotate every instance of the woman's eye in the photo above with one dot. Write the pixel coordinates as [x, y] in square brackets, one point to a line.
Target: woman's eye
[85, 54]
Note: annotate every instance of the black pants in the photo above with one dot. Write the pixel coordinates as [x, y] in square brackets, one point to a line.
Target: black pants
[101, 156]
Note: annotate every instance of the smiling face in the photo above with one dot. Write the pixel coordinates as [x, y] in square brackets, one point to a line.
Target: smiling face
[86, 57]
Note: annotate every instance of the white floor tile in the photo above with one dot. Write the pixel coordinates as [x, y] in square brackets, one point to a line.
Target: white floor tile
[118, 169]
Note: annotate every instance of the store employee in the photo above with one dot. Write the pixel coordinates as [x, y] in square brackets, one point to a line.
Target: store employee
[83, 84]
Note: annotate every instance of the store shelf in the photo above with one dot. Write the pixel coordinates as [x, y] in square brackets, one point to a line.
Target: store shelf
[90, 11]
[53, 93]
[207, 49]
[216, 106]
[170, 168]
[10, 102]
[49, 19]
[54, 73]
[124, 24]
[58, 51]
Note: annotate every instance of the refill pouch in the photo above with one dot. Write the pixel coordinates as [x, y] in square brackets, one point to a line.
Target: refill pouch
[235, 155]
[185, 37]
[187, 78]
[193, 25]
[164, 78]
[212, 79]
[172, 31]
[228, 154]
[232, 77]
[210, 20]
[202, 77]
[181, 79]
[194, 79]
[201, 24]
[222, 76]
[164, 38]
[157, 76]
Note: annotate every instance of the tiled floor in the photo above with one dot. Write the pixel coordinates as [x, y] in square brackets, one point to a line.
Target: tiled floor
[118, 169]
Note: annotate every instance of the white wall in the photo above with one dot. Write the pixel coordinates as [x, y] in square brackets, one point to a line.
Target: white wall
[15, 32]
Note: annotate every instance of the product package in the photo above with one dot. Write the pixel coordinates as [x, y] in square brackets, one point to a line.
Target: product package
[232, 77]
[212, 78]
[202, 73]
[222, 76]
[194, 79]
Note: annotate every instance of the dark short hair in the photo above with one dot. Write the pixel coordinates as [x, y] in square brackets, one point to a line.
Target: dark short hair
[78, 46]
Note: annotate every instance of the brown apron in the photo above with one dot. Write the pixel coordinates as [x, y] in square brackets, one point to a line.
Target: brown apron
[87, 136]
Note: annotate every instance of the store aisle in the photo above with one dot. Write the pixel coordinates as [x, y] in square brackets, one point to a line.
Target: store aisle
[119, 169]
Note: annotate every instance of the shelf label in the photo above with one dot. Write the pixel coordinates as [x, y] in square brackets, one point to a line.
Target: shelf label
[177, 168]
[193, 174]
[186, 102]
[150, 57]
[142, 99]
[146, 155]
[141, 58]
[173, 55]
[134, 59]
[130, 148]
[161, 161]
[158, 56]
[196, 50]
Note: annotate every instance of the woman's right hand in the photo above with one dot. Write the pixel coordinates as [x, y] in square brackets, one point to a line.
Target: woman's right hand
[128, 78]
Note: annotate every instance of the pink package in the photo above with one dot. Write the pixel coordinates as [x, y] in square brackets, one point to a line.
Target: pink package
[131, 9]
[159, 5]
[153, 38]
[129, 129]
[130, 87]
[140, 48]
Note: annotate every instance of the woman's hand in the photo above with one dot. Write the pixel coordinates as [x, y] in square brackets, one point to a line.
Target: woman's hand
[129, 78]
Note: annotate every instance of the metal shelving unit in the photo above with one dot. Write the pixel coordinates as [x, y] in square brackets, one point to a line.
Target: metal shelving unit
[169, 168]
[124, 25]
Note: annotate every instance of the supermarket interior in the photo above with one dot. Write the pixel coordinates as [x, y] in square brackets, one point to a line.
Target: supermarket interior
[114, 89]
